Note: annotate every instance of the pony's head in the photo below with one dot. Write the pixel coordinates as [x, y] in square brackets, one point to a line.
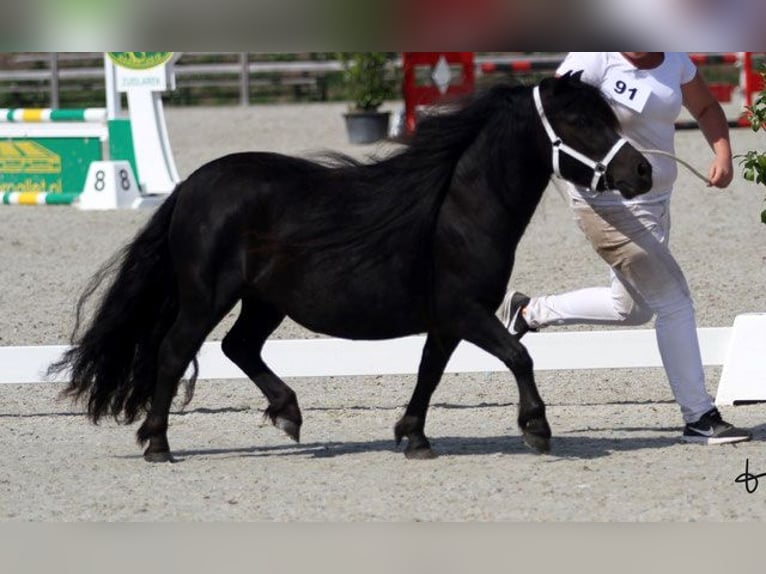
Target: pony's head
[584, 132]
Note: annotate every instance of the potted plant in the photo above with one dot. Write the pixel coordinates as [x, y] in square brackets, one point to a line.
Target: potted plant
[366, 77]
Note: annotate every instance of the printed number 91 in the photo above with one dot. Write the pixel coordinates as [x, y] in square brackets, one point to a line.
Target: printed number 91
[621, 87]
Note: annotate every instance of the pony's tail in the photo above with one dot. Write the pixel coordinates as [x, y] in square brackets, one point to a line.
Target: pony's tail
[113, 358]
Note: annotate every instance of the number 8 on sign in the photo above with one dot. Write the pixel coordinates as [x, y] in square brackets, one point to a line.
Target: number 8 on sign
[125, 181]
[100, 180]
[109, 185]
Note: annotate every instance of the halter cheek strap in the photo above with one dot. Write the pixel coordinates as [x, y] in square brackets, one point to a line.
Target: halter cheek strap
[599, 167]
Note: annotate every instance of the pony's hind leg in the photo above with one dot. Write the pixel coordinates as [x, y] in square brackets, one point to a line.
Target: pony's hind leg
[177, 350]
[243, 345]
[436, 354]
[201, 307]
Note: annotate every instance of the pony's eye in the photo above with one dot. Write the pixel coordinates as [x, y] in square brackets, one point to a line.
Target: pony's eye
[578, 120]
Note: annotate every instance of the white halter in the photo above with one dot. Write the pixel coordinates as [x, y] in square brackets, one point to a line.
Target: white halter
[599, 167]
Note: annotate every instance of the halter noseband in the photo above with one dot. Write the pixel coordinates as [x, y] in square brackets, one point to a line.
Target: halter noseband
[599, 167]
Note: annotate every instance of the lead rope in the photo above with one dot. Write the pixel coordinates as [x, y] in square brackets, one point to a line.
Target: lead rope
[677, 159]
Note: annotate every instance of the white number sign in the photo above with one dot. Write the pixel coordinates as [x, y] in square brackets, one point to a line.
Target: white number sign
[629, 92]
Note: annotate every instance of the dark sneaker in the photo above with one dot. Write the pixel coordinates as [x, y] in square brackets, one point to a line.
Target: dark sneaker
[712, 429]
[510, 313]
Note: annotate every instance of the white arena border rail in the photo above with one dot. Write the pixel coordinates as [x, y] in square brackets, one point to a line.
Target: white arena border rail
[738, 349]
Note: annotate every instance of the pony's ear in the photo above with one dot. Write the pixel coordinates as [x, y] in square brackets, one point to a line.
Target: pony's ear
[567, 79]
[573, 76]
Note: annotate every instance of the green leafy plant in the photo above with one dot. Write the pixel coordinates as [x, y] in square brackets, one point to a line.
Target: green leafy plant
[754, 162]
[367, 78]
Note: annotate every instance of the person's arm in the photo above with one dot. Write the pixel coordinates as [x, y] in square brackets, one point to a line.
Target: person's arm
[712, 121]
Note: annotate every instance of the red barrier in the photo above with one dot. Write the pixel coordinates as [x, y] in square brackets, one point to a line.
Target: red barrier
[721, 92]
[751, 80]
[431, 93]
[519, 66]
[705, 59]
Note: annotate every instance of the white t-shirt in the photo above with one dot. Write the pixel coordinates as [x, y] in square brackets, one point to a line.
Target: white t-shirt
[647, 103]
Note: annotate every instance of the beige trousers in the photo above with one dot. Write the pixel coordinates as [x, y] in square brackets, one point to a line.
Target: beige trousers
[646, 281]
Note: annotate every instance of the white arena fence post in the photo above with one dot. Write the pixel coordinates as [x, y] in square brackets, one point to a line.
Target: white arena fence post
[743, 377]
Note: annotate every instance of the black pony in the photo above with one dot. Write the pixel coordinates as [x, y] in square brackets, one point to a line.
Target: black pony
[421, 241]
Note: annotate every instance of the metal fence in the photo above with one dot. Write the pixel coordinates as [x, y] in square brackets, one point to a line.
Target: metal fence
[47, 79]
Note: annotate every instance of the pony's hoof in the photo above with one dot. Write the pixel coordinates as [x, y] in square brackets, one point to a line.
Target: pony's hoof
[289, 427]
[163, 456]
[419, 454]
[537, 434]
[540, 444]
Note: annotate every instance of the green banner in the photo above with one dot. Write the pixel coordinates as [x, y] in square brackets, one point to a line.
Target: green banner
[53, 165]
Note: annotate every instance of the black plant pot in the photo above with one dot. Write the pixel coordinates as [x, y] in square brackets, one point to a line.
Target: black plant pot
[367, 127]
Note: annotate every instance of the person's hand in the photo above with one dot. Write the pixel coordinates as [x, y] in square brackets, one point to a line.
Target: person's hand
[721, 172]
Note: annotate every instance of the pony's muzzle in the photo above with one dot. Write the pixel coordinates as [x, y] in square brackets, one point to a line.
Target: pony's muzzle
[631, 174]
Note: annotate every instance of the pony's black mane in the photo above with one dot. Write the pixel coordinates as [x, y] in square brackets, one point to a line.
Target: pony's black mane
[405, 190]
[440, 141]
[402, 194]
[442, 138]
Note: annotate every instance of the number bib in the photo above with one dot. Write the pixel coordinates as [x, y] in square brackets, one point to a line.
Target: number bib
[628, 91]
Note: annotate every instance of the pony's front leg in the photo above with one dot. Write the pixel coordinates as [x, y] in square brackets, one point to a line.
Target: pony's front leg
[489, 334]
[436, 354]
